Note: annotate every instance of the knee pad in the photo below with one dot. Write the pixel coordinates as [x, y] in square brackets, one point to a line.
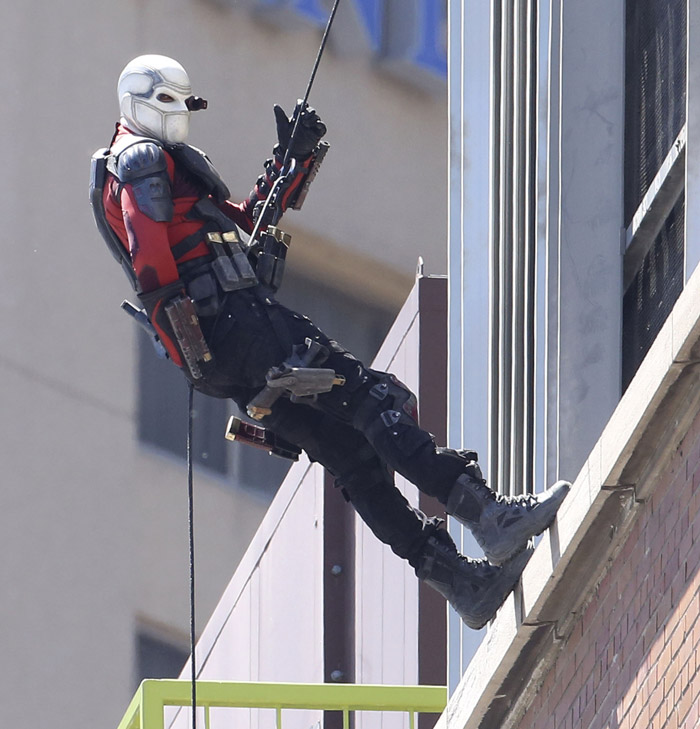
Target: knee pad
[395, 396]
[387, 400]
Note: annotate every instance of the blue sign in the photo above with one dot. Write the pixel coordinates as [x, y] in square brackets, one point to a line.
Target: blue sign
[421, 40]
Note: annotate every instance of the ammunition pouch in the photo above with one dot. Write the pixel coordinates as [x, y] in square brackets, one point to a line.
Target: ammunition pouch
[201, 286]
[228, 267]
[230, 264]
[270, 260]
[193, 347]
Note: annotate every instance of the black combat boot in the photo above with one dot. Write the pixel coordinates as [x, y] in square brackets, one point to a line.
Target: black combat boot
[474, 588]
[503, 525]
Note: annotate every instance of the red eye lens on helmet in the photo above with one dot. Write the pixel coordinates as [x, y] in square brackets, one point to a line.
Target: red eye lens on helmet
[196, 103]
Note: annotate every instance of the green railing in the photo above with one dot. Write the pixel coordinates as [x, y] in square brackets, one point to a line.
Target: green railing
[146, 710]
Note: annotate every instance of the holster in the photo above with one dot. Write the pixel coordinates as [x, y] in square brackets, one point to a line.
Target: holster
[299, 377]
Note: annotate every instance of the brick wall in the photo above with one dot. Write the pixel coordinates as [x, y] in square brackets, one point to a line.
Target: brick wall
[632, 659]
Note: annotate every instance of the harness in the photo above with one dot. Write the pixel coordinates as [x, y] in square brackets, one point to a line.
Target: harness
[230, 264]
[227, 265]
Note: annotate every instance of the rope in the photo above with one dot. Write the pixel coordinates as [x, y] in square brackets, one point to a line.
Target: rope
[190, 519]
[287, 155]
[304, 101]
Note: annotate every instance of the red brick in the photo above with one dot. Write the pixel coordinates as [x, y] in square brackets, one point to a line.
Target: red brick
[636, 709]
[566, 670]
[686, 598]
[632, 661]
[685, 703]
[671, 518]
[634, 656]
[652, 642]
[696, 632]
[670, 675]
[656, 698]
[662, 714]
[562, 718]
[628, 699]
[643, 719]
[567, 701]
[676, 639]
[645, 688]
[629, 554]
[662, 611]
[693, 557]
[587, 715]
[684, 521]
[606, 709]
[692, 719]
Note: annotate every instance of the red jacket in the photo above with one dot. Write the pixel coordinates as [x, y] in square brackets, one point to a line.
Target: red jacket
[149, 242]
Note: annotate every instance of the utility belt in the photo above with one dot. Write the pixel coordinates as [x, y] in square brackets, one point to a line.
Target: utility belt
[231, 265]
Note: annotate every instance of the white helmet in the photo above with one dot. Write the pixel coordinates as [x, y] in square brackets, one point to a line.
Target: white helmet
[155, 98]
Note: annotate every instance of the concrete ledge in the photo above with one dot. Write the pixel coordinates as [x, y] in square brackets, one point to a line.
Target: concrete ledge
[572, 557]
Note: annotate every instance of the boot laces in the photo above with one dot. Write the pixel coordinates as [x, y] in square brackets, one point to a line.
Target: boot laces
[526, 501]
[480, 566]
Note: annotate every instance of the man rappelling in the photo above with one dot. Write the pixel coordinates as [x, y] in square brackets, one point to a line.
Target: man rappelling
[206, 271]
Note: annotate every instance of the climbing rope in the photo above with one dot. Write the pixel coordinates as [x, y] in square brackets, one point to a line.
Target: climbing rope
[190, 519]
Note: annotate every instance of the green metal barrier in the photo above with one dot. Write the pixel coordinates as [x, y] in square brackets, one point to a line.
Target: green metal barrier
[146, 710]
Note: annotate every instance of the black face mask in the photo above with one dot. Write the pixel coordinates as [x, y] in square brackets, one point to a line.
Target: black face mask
[196, 103]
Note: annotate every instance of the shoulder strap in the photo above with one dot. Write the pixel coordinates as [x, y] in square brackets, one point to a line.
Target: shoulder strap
[98, 175]
[197, 164]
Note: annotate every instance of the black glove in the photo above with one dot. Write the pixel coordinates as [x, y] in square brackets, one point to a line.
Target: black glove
[309, 131]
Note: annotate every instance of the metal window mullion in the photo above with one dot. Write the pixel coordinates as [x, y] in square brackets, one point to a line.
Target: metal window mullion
[506, 250]
[495, 244]
[518, 227]
[530, 249]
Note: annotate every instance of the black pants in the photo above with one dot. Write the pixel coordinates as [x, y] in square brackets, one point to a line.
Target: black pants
[346, 430]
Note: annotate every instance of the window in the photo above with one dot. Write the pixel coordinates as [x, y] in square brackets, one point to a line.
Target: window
[655, 103]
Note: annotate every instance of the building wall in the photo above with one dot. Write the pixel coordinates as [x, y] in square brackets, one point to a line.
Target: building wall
[268, 624]
[631, 660]
[95, 523]
[590, 150]
[400, 628]
[611, 591]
